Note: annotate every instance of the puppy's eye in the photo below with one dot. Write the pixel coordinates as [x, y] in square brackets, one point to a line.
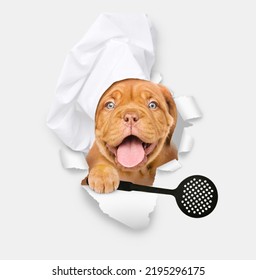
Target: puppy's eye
[152, 105]
[110, 105]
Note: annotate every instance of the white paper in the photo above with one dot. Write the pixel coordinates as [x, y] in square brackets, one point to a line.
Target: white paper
[186, 142]
[129, 208]
[170, 166]
[187, 108]
[73, 160]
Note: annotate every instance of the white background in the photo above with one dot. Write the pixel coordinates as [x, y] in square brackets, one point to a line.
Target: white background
[205, 49]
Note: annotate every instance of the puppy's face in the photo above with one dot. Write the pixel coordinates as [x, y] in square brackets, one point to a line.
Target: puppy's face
[134, 119]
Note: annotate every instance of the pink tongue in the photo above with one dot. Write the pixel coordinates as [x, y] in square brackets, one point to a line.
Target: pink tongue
[130, 152]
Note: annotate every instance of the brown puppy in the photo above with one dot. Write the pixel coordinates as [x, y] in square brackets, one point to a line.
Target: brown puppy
[134, 123]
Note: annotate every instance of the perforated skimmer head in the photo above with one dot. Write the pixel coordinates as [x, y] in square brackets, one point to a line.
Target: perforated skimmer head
[196, 195]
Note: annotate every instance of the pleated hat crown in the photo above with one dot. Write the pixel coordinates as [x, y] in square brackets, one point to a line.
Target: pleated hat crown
[116, 47]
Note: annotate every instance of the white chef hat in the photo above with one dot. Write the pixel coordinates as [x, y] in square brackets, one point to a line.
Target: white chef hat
[116, 47]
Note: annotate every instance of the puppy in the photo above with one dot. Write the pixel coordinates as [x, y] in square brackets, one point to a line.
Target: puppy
[134, 123]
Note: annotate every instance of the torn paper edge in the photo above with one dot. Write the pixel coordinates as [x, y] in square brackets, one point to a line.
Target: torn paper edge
[138, 219]
[73, 160]
[187, 142]
[170, 166]
[138, 216]
[187, 108]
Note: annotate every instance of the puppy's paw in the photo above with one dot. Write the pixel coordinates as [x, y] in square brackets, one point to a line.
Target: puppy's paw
[103, 179]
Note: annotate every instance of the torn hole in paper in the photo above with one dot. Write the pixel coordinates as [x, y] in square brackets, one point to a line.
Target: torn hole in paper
[116, 47]
[127, 207]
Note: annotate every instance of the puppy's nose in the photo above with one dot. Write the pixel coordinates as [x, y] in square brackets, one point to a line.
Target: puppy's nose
[131, 117]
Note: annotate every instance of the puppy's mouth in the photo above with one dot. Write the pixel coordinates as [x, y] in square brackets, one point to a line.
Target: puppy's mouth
[132, 151]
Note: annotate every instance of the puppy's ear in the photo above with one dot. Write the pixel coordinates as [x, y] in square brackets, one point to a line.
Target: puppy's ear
[171, 106]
